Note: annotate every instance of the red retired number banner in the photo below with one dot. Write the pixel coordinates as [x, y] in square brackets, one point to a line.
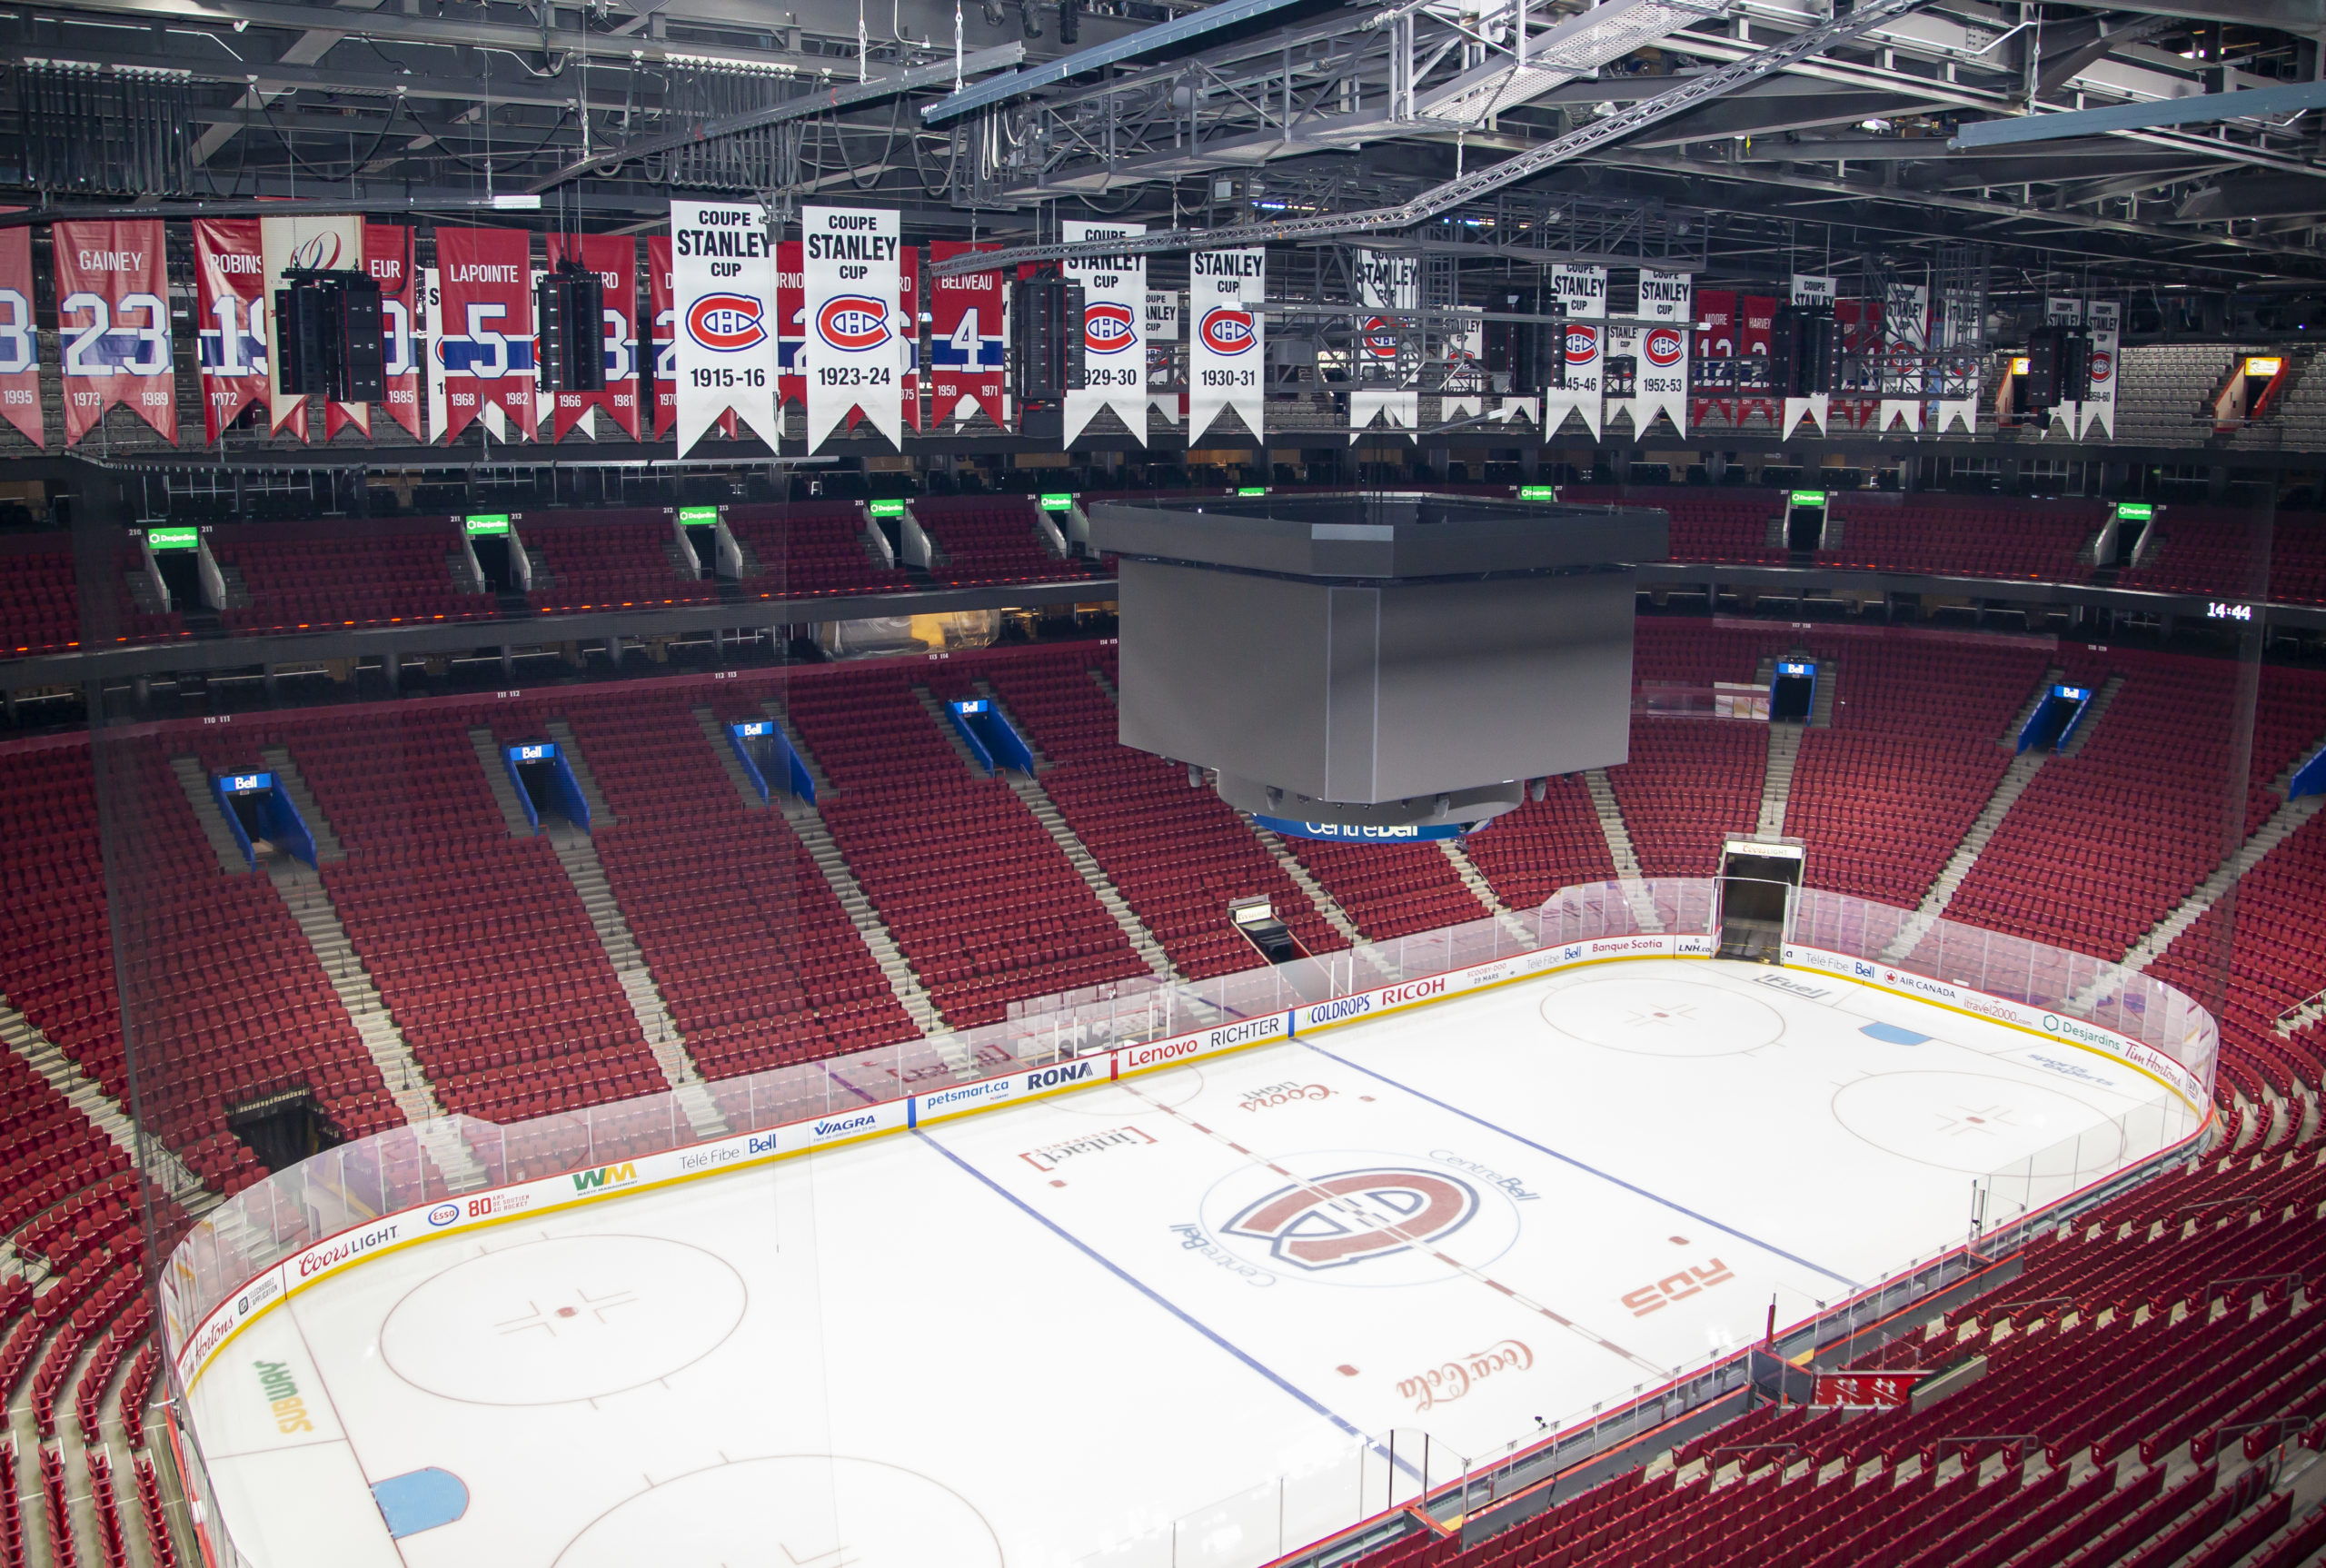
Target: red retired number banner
[387, 256]
[485, 278]
[907, 330]
[229, 280]
[965, 349]
[614, 258]
[790, 324]
[19, 342]
[113, 314]
[659, 295]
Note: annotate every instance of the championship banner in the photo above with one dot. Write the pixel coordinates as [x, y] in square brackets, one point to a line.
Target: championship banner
[1905, 340]
[850, 274]
[1224, 289]
[486, 316]
[665, 343]
[1815, 292]
[19, 339]
[1113, 337]
[965, 341]
[230, 351]
[722, 276]
[791, 326]
[1714, 362]
[1163, 335]
[113, 316]
[1465, 374]
[1961, 329]
[431, 347]
[614, 258]
[1666, 306]
[909, 331]
[309, 244]
[387, 258]
[1756, 317]
[2062, 312]
[2105, 318]
[1381, 391]
[1584, 292]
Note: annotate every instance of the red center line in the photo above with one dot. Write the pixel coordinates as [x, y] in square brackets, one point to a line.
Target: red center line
[1389, 1224]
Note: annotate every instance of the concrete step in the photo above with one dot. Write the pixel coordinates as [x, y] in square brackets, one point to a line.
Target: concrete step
[715, 734]
[600, 814]
[2281, 824]
[489, 757]
[903, 984]
[774, 709]
[1610, 813]
[1776, 781]
[1327, 905]
[1483, 891]
[1933, 908]
[328, 849]
[2096, 709]
[1143, 942]
[195, 779]
[945, 727]
[64, 1075]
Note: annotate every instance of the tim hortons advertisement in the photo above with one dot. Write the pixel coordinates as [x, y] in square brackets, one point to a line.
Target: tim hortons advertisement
[1224, 289]
[723, 290]
[1584, 292]
[486, 315]
[614, 258]
[19, 341]
[965, 341]
[230, 320]
[113, 318]
[850, 273]
[322, 244]
[1665, 307]
[1114, 330]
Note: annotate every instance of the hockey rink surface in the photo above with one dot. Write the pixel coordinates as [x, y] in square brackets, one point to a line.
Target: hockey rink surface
[1026, 1336]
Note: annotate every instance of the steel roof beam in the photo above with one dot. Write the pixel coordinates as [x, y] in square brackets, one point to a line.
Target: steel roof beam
[2047, 125]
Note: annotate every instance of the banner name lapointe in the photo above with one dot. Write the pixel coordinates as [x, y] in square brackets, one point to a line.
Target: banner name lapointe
[479, 272]
[1227, 264]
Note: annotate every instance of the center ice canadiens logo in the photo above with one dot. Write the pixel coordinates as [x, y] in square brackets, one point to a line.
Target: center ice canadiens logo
[1663, 348]
[852, 322]
[726, 323]
[1582, 345]
[1106, 328]
[1335, 1221]
[1226, 329]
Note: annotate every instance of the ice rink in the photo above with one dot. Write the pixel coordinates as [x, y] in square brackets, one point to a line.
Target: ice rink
[1022, 1336]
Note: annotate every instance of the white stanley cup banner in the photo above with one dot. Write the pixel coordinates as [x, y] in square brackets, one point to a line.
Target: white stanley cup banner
[2105, 319]
[1378, 389]
[2062, 313]
[1162, 334]
[1813, 291]
[1905, 337]
[722, 303]
[1817, 293]
[849, 272]
[1667, 314]
[1466, 374]
[1224, 289]
[1114, 330]
[1584, 291]
[431, 328]
[322, 244]
[1961, 326]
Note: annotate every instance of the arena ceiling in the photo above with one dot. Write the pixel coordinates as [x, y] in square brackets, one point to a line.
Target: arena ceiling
[1737, 137]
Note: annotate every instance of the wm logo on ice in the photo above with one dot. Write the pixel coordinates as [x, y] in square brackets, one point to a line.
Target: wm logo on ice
[604, 1176]
[1352, 1216]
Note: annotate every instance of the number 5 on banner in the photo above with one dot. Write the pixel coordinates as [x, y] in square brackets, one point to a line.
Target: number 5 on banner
[483, 335]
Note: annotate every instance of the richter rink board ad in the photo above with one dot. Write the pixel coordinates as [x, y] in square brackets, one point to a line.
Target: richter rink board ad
[1037, 1334]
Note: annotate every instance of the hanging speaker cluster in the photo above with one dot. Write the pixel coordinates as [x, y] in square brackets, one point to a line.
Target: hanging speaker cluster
[2059, 367]
[1046, 337]
[1801, 349]
[569, 304]
[328, 324]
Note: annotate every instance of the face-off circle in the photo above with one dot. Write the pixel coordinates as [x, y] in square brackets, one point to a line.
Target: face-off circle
[561, 1320]
[1662, 1016]
[1976, 1123]
[790, 1511]
[1359, 1217]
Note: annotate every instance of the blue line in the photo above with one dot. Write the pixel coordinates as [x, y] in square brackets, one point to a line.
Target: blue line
[1119, 1273]
[1570, 1159]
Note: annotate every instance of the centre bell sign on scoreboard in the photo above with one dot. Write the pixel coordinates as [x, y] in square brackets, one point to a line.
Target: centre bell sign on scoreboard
[722, 303]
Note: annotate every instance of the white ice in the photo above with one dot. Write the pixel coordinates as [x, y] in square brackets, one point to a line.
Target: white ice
[1024, 1336]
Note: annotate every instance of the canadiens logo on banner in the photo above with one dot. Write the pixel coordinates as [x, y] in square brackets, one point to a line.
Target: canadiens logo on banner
[486, 344]
[850, 273]
[113, 317]
[1665, 310]
[614, 258]
[230, 320]
[1584, 291]
[19, 341]
[665, 343]
[307, 243]
[722, 297]
[1224, 289]
[1385, 392]
[965, 341]
[1114, 342]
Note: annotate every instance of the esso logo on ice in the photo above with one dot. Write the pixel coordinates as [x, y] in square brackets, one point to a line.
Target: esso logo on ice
[726, 323]
[1381, 339]
[2103, 364]
[1226, 329]
[1663, 348]
[1582, 345]
[852, 322]
[1106, 328]
[444, 1213]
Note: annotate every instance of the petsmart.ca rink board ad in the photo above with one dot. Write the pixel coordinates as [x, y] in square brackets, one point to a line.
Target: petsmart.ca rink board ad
[2019, 1015]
